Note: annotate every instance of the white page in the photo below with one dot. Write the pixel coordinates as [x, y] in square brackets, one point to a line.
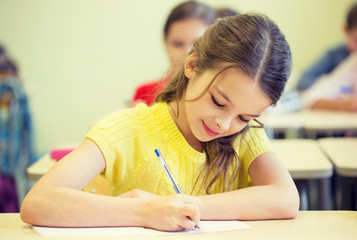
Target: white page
[206, 226]
[93, 232]
[216, 226]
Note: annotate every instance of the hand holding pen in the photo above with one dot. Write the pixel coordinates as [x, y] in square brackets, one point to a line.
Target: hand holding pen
[170, 177]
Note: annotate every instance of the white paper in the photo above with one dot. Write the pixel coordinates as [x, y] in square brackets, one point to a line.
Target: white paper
[206, 226]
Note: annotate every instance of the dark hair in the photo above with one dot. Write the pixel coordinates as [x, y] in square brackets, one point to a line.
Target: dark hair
[255, 45]
[6, 65]
[225, 12]
[351, 20]
[190, 10]
[3, 59]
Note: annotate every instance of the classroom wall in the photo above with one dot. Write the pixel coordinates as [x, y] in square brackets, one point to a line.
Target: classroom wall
[81, 59]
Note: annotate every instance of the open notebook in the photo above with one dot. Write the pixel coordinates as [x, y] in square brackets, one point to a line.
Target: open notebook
[206, 226]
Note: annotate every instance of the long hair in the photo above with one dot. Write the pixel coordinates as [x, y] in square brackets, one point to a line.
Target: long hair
[255, 45]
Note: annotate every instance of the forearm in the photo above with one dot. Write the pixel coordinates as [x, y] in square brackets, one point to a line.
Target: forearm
[252, 203]
[59, 206]
[341, 104]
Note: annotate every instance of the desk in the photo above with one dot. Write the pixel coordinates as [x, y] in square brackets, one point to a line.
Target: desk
[305, 161]
[311, 122]
[329, 122]
[343, 154]
[307, 225]
[40, 167]
[98, 185]
[288, 124]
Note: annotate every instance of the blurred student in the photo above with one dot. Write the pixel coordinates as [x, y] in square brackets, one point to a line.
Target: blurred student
[204, 123]
[186, 23]
[331, 82]
[15, 136]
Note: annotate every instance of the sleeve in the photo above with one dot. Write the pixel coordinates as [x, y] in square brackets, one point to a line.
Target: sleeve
[139, 93]
[323, 65]
[146, 93]
[114, 137]
[334, 85]
[252, 144]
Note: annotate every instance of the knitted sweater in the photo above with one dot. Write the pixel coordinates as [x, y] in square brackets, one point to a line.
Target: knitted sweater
[129, 137]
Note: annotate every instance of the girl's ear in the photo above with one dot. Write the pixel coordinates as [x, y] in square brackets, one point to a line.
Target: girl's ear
[190, 65]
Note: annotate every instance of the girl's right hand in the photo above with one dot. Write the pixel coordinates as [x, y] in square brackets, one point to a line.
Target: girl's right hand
[172, 213]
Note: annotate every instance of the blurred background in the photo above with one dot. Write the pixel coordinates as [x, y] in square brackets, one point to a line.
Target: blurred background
[81, 59]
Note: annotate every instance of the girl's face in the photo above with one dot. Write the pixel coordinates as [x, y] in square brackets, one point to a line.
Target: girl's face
[231, 102]
[179, 40]
[351, 39]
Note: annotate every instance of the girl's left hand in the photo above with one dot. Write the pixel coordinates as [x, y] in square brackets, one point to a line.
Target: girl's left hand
[137, 193]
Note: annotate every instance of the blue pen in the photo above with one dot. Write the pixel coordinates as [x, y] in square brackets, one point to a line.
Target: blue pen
[170, 176]
[168, 172]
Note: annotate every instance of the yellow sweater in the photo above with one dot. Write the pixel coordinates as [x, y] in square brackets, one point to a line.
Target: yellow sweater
[128, 138]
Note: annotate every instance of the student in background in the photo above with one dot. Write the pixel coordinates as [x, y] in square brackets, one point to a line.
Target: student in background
[331, 82]
[204, 123]
[184, 25]
[15, 136]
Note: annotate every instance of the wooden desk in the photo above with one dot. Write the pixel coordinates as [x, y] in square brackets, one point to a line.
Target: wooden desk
[99, 185]
[305, 161]
[311, 122]
[316, 120]
[343, 154]
[288, 124]
[307, 225]
[40, 167]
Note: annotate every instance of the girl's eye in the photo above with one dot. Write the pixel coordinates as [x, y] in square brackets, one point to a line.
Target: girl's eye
[215, 102]
[178, 44]
[243, 119]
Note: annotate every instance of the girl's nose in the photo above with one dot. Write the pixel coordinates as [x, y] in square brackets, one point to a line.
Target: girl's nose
[223, 123]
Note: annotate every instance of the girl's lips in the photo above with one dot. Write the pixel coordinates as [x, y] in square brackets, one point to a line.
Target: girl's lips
[209, 131]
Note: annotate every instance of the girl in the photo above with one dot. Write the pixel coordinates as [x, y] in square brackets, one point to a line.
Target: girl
[185, 24]
[204, 124]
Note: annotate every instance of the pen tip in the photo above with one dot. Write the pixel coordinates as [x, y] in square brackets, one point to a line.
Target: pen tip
[157, 152]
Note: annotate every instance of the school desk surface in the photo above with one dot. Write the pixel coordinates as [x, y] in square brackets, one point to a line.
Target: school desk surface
[307, 225]
[311, 122]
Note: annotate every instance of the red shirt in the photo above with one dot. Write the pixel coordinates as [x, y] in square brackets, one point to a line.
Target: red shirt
[147, 92]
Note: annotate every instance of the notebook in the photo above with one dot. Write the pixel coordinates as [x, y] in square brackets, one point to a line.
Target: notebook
[206, 226]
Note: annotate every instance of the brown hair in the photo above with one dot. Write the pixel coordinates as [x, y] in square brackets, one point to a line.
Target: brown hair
[351, 19]
[190, 10]
[255, 45]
